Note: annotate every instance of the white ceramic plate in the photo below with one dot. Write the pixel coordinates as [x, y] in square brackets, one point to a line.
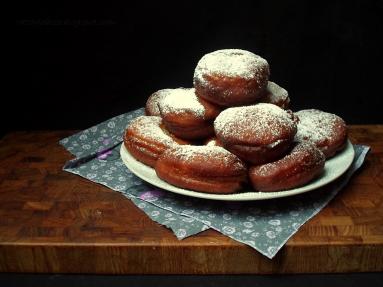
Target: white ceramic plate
[334, 168]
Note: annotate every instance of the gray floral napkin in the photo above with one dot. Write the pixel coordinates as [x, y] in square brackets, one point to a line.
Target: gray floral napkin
[264, 225]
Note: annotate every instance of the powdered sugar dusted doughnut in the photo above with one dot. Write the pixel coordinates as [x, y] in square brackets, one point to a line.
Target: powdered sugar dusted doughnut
[275, 94]
[187, 116]
[302, 164]
[145, 138]
[209, 169]
[260, 133]
[231, 77]
[151, 107]
[327, 131]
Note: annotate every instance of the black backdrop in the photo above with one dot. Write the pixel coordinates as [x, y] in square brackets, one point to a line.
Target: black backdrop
[77, 65]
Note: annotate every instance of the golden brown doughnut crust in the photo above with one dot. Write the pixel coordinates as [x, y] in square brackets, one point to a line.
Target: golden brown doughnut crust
[187, 116]
[146, 139]
[302, 164]
[258, 134]
[231, 77]
[327, 131]
[186, 167]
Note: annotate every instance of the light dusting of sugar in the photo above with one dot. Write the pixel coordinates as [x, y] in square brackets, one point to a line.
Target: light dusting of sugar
[187, 153]
[230, 63]
[182, 100]
[263, 121]
[212, 142]
[303, 153]
[154, 99]
[316, 126]
[148, 127]
[277, 93]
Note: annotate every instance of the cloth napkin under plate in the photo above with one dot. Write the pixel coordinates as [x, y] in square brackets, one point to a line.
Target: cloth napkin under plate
[264, 225]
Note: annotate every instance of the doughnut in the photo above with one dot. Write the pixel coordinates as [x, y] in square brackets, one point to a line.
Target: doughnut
[151, 107]
[327, 131]
[146, 139]
[275, 94]
[257, 134]
[231, 77]
[209, 169]
[302, 164]
[187, 116]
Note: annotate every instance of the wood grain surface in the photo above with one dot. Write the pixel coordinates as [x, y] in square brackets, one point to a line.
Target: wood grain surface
[54, 221]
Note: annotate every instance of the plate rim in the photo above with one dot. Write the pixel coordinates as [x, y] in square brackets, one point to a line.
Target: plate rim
[133, 165]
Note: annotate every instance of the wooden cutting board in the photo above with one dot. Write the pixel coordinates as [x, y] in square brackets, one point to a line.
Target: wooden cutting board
[54, 221]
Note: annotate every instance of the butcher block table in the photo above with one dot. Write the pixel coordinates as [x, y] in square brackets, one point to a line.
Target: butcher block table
[52, 221]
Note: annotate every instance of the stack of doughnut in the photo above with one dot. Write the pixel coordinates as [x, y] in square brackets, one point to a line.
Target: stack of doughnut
[233, 129]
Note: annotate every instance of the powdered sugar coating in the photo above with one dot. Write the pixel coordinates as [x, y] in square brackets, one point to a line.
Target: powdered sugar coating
[211, 143]
[318, 126]
[260, 124]
[149, 128]
[276, 95]
[277, 91]
[230, 63]
[153, 101]
[304, 154]
[187, 153]
[182, 100]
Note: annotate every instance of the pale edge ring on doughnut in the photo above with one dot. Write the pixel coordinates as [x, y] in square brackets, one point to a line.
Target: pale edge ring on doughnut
[334, 168]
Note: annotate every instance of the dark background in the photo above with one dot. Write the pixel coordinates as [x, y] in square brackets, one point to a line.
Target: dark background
[77, 65]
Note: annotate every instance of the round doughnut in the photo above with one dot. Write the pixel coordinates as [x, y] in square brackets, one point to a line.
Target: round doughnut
[327, 131]
[187, 116]
[302, 164]
[231, 77]
[210, 169]
[258, 134]
[151, 107]
[146, 139]
[275, 94]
